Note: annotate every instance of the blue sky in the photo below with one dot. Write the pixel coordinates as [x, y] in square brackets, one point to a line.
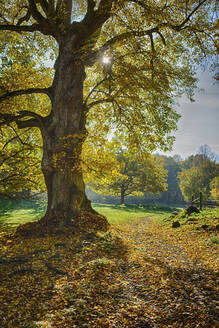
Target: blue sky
[199, 123]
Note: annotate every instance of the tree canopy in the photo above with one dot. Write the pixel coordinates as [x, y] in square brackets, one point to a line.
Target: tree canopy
[119, 67]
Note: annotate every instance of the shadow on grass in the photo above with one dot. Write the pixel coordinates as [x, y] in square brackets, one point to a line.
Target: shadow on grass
[14, 212]
[137, 208]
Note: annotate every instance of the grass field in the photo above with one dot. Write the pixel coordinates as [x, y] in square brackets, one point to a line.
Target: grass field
[120, 213]
[16, 212]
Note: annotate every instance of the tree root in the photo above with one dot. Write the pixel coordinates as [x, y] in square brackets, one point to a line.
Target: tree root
[21, 272]
[57, 271]
[84, 222]
[15, 260]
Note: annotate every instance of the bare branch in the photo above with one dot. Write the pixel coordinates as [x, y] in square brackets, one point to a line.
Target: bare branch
[25, 92]
[100, 101]
[179, 27]
[94, 88]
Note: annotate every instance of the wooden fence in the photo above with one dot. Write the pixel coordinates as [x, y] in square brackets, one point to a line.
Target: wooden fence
[204, 203]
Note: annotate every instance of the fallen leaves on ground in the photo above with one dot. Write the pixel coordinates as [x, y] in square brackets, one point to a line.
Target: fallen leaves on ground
[140, 274]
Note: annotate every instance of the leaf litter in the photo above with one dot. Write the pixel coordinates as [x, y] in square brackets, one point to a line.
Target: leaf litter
[140, 274]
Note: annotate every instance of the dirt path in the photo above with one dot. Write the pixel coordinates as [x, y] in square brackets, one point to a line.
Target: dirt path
[171, 277]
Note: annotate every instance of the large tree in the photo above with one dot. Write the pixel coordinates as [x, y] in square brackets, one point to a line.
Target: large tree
[146, 52]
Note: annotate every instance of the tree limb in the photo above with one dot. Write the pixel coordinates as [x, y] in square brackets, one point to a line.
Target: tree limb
[94, 19]
[119, 38]
[37, 120]
[93, 89]
[25, 92]
[20, 28]
[35, 13]
[68, 10]
[179, 27]
[46, 25]
[100, 101]
[90, 10]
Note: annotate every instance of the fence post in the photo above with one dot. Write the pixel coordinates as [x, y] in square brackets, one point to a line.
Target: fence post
[201, 200]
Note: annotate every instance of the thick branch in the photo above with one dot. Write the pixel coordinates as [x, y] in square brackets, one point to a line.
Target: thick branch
[94, 19]
[32, 123]
[90, 10]
[25, 92]
[18, 28]
[35, 13]
[46, 25]
[68, 10]
[36, 121]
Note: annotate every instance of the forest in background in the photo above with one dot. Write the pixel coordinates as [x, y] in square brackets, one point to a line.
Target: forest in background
[174, 183]
[185, 178]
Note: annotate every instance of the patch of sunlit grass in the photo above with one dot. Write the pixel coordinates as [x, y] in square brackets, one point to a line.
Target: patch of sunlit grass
[117, 214]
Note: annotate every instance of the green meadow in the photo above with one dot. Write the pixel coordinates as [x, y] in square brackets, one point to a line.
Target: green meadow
[16, 212]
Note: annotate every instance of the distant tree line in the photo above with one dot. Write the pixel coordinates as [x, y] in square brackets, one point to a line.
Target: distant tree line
[184, 179]
[116, 175]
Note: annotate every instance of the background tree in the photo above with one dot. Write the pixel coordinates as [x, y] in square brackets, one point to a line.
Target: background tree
[20, 166]
[154, 48]
[206, 151]
[135, 176]
[173, 194]
[215, 188]
[196, 176]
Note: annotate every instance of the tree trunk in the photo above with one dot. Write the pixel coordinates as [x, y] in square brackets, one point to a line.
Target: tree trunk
[63, 135]
[122, 196]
